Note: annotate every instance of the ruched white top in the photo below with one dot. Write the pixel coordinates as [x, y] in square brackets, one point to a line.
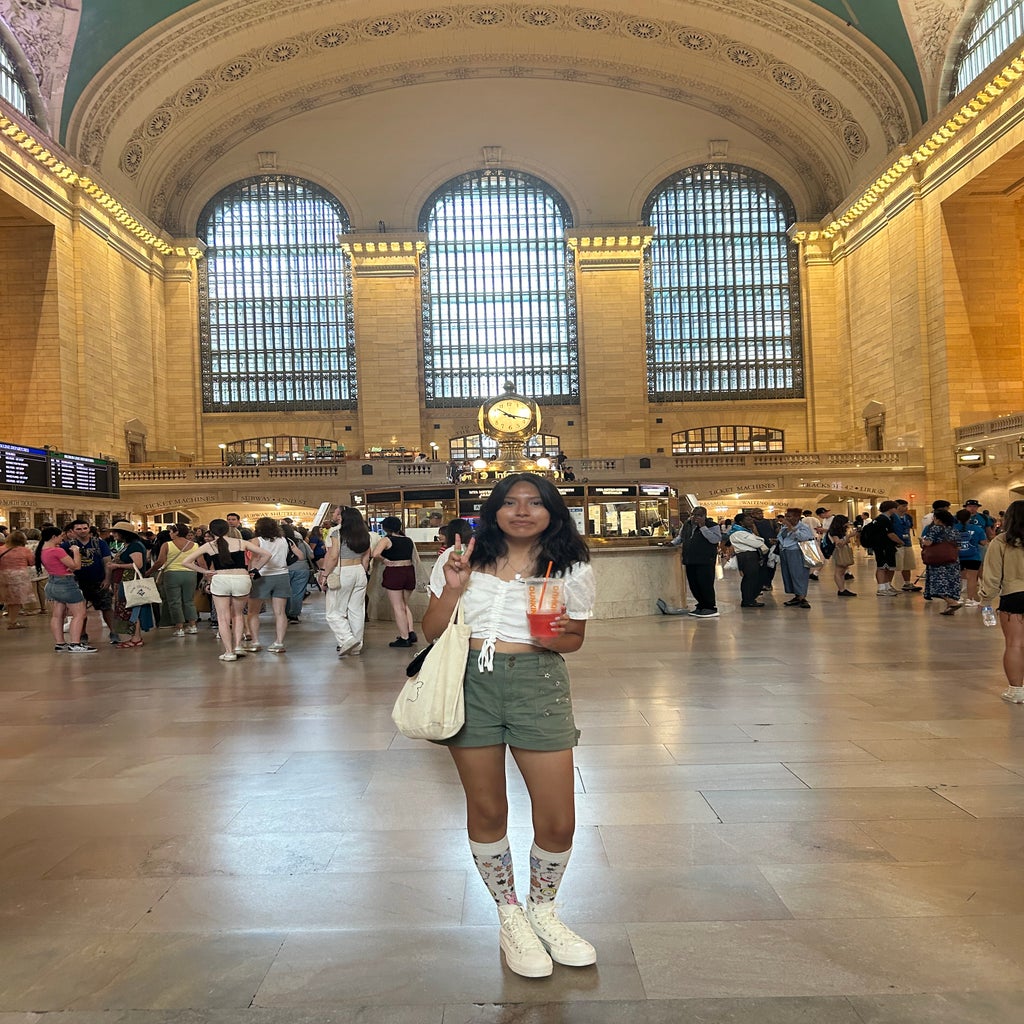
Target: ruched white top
[496, 610]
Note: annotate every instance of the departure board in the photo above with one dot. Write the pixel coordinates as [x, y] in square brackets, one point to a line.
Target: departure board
[43, 471]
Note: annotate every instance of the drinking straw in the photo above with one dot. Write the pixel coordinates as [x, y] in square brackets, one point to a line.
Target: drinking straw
[545, 585]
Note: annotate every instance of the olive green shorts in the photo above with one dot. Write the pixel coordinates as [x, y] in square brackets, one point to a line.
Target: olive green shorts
[524, 702]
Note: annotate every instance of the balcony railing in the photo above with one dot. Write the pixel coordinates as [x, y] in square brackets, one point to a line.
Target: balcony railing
[354, 474]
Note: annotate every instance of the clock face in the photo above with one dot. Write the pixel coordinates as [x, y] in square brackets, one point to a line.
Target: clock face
[510, 416]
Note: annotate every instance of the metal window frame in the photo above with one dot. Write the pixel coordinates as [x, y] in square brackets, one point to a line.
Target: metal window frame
[745, 438]
[996, 27]
[484, 276]
[277, 332]
[712, 289]
[12, 86]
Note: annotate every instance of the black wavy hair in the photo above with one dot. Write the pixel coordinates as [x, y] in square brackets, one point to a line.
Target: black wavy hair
[560, 544]
[49, 532]
[837, 528]
[353, 530]
[1013, 524]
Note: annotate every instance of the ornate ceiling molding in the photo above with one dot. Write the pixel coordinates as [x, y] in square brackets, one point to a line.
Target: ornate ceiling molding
[931, 25]
[96, 116]
[774, 127]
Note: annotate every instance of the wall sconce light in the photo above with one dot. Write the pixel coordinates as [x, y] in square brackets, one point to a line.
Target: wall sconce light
[969, 457]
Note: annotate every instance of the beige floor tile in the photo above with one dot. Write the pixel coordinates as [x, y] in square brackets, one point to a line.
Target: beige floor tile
[833, 804]
[988, 801]
[642, 846]
[664, 808]
[457, 965]
[901, 774]
[765, 752]
[793, 958]
[919, 750]
[320, 901]
[898, 890]
[940, 1008]
[657, 778]
[950, 841]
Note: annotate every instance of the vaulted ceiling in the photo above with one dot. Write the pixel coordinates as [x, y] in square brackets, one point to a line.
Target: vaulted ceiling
[171, 99]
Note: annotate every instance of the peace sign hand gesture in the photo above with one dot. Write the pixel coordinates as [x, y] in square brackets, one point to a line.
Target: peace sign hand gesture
[456, 569]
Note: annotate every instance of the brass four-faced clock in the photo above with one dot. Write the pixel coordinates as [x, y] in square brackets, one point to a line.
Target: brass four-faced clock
[509, 418]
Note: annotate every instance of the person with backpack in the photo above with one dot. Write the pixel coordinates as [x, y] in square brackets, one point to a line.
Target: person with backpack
[880, 536]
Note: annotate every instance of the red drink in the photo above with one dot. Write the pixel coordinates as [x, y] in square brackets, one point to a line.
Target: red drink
[542, 623]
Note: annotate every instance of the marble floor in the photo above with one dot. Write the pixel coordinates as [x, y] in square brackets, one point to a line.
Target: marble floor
[785, 817]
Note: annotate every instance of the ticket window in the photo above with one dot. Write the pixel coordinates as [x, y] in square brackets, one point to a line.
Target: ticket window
[612, 518]
[654, 517]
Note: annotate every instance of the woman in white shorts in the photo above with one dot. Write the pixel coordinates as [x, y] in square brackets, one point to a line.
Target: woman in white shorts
[230, 581]
[274, 585]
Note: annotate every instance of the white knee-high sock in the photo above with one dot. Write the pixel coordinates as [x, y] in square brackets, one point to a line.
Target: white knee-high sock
[546, 871]
[494, 862]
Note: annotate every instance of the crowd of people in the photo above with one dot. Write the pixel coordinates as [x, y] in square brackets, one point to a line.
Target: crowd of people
[970, 558]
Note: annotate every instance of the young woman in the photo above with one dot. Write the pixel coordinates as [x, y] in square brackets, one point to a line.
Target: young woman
[1003, 577]
[16, 587]
[62, 590]
[398, 553]
[841, 542]
[230, 581]
[517, 696]
[942, 580]
[346, 564]
[129, 552]
[179, 584]
[273, 584]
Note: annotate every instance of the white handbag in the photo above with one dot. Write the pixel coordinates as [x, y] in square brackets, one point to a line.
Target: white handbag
[431, 704]
[139, 591]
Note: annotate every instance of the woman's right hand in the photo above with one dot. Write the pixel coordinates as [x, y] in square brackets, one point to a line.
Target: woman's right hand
[457, 569]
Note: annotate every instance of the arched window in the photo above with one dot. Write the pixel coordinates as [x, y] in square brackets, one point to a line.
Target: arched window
[12, 86]
[499, 298]
[723, 299]
[275, 299]
[732, 438]
[999, 24]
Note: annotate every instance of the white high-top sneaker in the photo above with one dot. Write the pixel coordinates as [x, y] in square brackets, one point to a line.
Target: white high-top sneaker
[564, 945]
[1013, 694]
[524, 954]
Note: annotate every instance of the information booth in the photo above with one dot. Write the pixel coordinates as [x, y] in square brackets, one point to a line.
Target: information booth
[602, 512]
[627, 527]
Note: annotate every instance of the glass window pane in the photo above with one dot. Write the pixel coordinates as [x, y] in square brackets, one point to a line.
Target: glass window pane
[999, 25]
[722, 285]
[276, 299]
[12, 88]
[499, 298]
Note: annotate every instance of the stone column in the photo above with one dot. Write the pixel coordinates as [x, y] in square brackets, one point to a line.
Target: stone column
[386, 306]
[612, 338]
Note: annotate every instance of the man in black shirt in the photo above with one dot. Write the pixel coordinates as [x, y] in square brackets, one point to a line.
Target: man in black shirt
[699, 538]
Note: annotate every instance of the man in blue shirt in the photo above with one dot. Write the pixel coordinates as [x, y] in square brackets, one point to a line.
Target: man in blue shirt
[978, 518]
[92, 576]
[906, 561]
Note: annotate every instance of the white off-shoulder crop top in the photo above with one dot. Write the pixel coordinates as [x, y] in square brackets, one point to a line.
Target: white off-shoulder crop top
[496, 610]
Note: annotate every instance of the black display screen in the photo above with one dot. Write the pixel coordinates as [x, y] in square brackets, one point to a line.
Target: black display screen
[58, 473]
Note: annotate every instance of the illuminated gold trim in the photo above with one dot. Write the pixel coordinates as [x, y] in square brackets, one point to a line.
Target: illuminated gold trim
[605, 243]
[398, 248]
[938, 139]
[35, 149]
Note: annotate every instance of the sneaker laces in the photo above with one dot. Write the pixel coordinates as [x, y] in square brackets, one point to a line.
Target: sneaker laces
[518, 929]
[554, 927]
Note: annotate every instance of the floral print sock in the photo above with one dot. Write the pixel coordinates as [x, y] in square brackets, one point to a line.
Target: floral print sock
[546, 870]
[494, 862]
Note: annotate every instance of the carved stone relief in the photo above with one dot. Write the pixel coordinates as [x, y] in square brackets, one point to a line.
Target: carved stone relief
[144, 67]
[46, 31]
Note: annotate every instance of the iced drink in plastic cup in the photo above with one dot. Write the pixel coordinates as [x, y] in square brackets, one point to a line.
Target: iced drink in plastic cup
[541, 615]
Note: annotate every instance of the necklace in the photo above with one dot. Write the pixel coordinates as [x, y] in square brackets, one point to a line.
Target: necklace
[518, 573]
